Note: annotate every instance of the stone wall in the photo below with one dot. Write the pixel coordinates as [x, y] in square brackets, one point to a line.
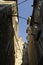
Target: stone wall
[6, 34]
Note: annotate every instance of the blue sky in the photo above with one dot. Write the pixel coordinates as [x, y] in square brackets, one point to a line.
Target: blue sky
[25, 10]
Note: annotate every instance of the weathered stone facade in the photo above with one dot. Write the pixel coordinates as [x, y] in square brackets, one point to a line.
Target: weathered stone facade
[32, 57]
[19, 52]
[8, 32]
[35, 34]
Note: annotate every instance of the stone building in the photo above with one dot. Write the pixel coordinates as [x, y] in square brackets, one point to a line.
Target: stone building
[19, 52]
[35, 34]
[9, 26]
[31, 48]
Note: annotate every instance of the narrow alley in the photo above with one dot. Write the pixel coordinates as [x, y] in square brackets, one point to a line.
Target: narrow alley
[21, 32]
[25, 55]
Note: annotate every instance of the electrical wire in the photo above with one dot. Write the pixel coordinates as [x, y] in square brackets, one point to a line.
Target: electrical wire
[16, 6]
[22, 2]
[20, 17]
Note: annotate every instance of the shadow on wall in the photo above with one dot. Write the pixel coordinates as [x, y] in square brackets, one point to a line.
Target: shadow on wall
[6, 36]
[25, 56]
